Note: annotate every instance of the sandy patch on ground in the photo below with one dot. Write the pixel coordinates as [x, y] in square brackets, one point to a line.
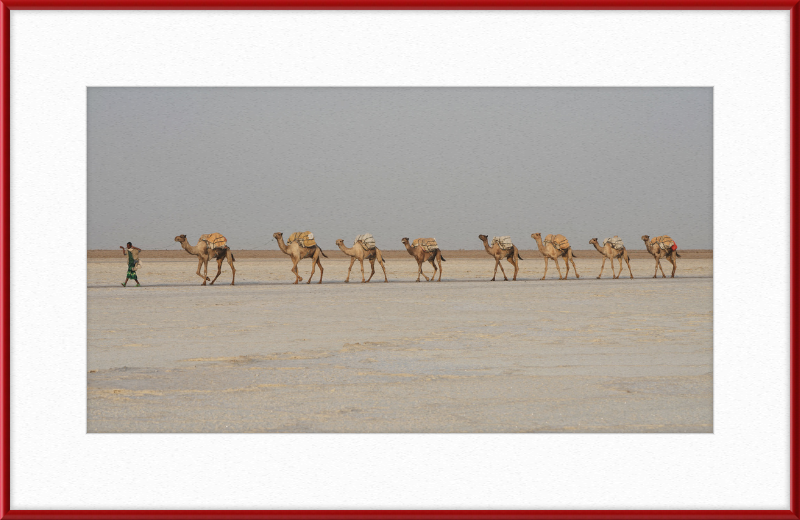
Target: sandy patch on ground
[462, 356]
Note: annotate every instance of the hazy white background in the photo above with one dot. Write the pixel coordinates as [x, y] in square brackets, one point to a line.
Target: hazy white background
[444, 162]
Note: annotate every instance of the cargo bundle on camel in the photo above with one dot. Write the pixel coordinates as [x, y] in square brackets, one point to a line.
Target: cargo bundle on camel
[425, 250]
[612, 248]
[302, 245]
[214, 240]
[304, 238]
[363, 248]
[502, 248]
[554, 247]
[210, 247]
[367, 240]
[662, 247]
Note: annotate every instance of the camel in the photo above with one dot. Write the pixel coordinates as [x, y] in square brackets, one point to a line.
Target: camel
[609, 252]
[298, 252]
[203, 255]
[360, 253]
[421, 256]
[512, 255]
[658, 254]
[548, 252]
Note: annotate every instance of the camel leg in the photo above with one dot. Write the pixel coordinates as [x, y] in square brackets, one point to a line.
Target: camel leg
[219, 270]
[513, 261]
[230, 263]
[372, 265]
[297, 277]
[674, 263]
[439, 259]
[199, 265]
[559, 269]
[352, 261]
[501, 270]
[386, 278]
[313, 269]
[545, 267]
[569, 257]
[496, 263]
[658, 263]
[434, 270]
[628, 261]
[602, 266]
[319, 263]
[420, 272]
[314, 263]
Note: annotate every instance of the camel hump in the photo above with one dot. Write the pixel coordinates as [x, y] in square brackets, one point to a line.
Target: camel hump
[214, 240]
[303, 238]
[367, 239]
[428, 244]
[504, 241]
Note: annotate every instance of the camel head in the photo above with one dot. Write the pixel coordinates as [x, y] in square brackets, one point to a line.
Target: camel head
[180, 238]
[645, 237]
[593, 241]
[340, 242]
[483, 237]
[405, 240]
[536, 236]
[277, 236]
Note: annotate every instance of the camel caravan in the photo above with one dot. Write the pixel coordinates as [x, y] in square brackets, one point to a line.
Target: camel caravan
[302, 245]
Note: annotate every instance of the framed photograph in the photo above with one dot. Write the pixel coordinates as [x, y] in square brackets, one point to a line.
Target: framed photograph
[391, 260]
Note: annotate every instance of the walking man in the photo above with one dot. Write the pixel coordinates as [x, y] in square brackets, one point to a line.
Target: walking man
[133, 263]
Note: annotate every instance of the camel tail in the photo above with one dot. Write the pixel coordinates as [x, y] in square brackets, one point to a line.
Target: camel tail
[443, 260]
[520, 256]
[322, 252]
[678, 255]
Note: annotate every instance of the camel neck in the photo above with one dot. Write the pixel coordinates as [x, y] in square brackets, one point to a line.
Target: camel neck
[282, 246]
[189, 249]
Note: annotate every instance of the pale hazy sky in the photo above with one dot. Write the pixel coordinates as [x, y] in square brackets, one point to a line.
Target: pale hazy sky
[450, 163]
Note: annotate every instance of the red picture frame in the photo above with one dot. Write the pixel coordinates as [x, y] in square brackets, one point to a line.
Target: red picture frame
[5, 447]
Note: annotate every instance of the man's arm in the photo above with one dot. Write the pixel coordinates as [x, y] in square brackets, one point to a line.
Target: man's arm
[136, 248]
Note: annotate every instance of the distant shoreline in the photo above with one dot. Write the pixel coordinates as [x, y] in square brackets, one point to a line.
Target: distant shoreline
[526, 254]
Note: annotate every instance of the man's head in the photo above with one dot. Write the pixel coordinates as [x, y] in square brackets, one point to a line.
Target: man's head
[130, 245]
